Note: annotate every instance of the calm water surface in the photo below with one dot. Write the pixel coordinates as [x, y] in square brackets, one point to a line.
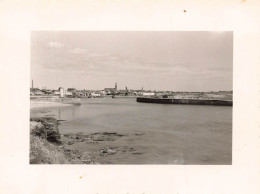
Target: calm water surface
[170, 134]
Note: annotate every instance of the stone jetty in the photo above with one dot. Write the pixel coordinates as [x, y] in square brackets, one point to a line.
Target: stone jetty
[184, 101]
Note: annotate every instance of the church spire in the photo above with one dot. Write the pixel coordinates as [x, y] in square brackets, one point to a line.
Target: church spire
[115, 86]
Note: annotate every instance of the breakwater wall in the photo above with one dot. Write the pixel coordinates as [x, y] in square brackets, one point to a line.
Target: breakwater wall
[73, 101]
[185, 101]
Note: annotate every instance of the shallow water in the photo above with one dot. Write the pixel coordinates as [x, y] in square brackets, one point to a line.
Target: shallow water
[158, 133]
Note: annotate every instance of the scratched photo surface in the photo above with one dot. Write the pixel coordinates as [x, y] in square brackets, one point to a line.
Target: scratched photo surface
[131, 97]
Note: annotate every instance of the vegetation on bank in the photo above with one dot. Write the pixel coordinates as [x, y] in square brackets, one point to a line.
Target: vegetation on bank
[44, 152]
[45, 142]
[47, 147]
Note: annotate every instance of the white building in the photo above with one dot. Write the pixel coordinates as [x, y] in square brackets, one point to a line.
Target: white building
[61, 92]
[38, 93]
[57, 93]
[95, 95]
[68, 93]
[148, 94]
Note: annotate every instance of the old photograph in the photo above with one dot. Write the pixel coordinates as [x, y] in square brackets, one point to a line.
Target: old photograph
[131, 97]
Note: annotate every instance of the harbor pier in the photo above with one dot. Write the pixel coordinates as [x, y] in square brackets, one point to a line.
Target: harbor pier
[184, 101]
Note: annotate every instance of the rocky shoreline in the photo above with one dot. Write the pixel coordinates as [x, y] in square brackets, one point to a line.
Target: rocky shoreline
[48, 146]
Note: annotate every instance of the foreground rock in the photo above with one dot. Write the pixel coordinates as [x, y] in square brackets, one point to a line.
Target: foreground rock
[47, 147]
[108, 151]
[46, 128]
[93, 138]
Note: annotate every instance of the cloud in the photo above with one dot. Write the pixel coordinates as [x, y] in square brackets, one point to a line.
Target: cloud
[77, 51]
[55, 44]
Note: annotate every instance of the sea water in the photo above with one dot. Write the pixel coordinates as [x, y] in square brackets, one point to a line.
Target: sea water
[165, 133]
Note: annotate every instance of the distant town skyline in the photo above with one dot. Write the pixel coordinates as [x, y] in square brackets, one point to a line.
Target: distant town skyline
[173, 61]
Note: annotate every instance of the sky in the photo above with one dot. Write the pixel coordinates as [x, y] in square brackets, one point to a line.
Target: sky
[154, 60]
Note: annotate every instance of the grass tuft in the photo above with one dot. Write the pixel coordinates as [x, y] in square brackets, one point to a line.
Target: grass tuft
[44, 152]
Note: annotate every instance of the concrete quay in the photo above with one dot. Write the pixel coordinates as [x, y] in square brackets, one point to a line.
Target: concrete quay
[184, 101]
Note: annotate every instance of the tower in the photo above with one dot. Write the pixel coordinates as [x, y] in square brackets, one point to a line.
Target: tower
[61, 90]
[115, 86]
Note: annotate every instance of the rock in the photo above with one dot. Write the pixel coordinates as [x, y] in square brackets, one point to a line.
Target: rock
[105, 136]
[46, 128]
[108, 151]
[88, 161]
[139, 134]
[131, 149]
[137, 153]
[35, 124]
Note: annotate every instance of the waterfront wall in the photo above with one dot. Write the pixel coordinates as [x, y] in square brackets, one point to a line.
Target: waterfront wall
[185, 101]
[74, 101]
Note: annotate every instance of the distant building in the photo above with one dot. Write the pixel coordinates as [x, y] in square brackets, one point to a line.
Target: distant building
[48, 92]
[71, 92]
[61, 90]
[148, 94]
[111, 91]
[39, 92]
[68, 93]
[56, 92]
[95, 95]
[103, 92]
[34, 89]
[116, 86]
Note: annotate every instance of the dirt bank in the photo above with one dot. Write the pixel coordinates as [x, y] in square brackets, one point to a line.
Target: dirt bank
[48, 146]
